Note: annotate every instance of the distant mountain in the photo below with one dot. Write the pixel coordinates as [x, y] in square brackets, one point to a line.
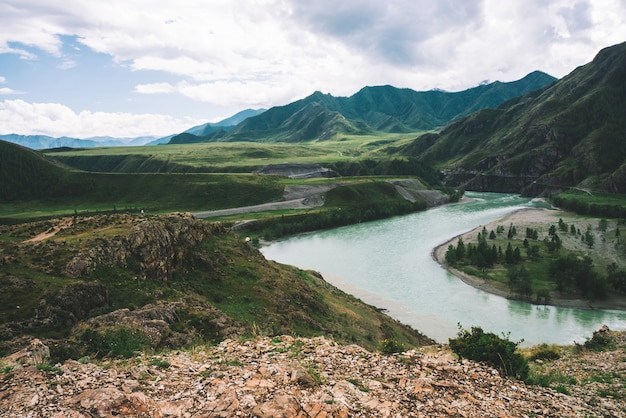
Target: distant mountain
[237, 118]
[47, 142]
[571, 133]
[191, 135]
[373, 109]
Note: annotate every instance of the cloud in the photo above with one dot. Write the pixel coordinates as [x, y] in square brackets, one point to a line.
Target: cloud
[18, 116]
[7, 91]
[261, 53]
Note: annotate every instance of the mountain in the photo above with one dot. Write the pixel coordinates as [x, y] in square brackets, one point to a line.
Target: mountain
[191, 135]
[47, 142]
[237, 118]
[570, 134]
[373, 109]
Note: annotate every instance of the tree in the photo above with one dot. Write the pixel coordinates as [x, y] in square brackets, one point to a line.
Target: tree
[573, 274]
[603, 224]
[533, 252]
[508, 254]
[588, 238]
[451, 255]
[460, 249]
[572, 229]
[520, 281]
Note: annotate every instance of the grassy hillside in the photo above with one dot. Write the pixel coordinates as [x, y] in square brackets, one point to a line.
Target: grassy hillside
[202, 282]
[572, 133]
[353, 156]
[32, 183]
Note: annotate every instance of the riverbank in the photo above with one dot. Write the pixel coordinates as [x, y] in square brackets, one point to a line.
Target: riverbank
[536, 218]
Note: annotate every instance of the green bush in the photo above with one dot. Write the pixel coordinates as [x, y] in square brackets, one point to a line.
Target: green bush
[391, 346]
[545, 352]
[118, 342]
[600, 341]
[487, 347]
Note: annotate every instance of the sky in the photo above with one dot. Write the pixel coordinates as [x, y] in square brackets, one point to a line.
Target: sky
[130, 68]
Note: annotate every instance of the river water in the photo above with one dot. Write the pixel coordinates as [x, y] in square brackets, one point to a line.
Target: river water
[388, 264]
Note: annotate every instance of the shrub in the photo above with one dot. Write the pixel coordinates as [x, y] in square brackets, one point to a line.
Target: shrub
[487, 347]
[600, 341]
[117, 342]
[545, 352]
[391, 346]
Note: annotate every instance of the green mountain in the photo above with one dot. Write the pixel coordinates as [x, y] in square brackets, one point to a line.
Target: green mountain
[569, 134]
[373, 109]
[195, 134]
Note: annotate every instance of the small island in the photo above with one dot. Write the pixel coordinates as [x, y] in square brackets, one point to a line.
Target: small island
[543, 256]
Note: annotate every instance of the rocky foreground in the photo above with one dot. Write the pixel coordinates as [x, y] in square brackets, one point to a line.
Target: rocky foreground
[293, 377]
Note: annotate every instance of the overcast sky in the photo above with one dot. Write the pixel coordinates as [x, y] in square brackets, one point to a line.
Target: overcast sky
[129, 68]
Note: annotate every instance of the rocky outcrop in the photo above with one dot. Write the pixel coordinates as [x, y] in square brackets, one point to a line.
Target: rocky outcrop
[296, 377]
[158, 246]
[157, 322]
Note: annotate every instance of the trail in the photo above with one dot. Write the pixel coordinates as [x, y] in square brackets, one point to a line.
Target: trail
[63, 223]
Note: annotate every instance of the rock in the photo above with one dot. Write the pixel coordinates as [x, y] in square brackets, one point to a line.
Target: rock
[36, 353]
[267, 378]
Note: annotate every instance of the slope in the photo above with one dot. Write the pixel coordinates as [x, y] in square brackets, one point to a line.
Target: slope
[572, 133]
[381, 108]
[30, 182]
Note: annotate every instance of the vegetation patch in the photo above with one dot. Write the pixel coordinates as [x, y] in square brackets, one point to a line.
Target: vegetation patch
[487, 347]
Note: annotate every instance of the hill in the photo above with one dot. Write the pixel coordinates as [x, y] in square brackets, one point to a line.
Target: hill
[373, 109]
[570, 134]
[31, 182]
[166, 281]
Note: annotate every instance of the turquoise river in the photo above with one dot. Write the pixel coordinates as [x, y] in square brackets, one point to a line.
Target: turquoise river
[388, 264]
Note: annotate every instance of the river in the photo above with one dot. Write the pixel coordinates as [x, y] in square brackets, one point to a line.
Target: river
[388, 264]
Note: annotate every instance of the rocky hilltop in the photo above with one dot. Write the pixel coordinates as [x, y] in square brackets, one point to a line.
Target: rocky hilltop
[81, 284]
[300, 377]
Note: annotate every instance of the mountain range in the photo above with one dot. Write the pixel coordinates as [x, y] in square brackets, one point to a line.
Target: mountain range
[45, 141]
[569, 134]
[372, 109]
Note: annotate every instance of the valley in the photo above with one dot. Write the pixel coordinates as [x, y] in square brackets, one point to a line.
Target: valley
[108, 252]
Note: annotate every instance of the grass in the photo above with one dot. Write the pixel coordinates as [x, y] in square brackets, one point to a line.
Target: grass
[238, 156]
[155, 193]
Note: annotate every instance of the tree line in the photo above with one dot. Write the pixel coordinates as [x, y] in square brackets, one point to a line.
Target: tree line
[569, 272]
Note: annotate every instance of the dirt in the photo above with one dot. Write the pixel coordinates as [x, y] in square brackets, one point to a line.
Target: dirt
[55, 229]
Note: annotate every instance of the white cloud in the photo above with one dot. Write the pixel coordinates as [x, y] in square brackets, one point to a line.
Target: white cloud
[260, 53]
[6, 91]
[18, 116]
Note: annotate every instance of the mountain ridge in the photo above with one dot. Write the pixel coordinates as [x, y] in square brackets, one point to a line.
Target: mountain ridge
[385, 108]
[570, 134]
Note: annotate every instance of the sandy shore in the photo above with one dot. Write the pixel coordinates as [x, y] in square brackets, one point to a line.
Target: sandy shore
[535, 218]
